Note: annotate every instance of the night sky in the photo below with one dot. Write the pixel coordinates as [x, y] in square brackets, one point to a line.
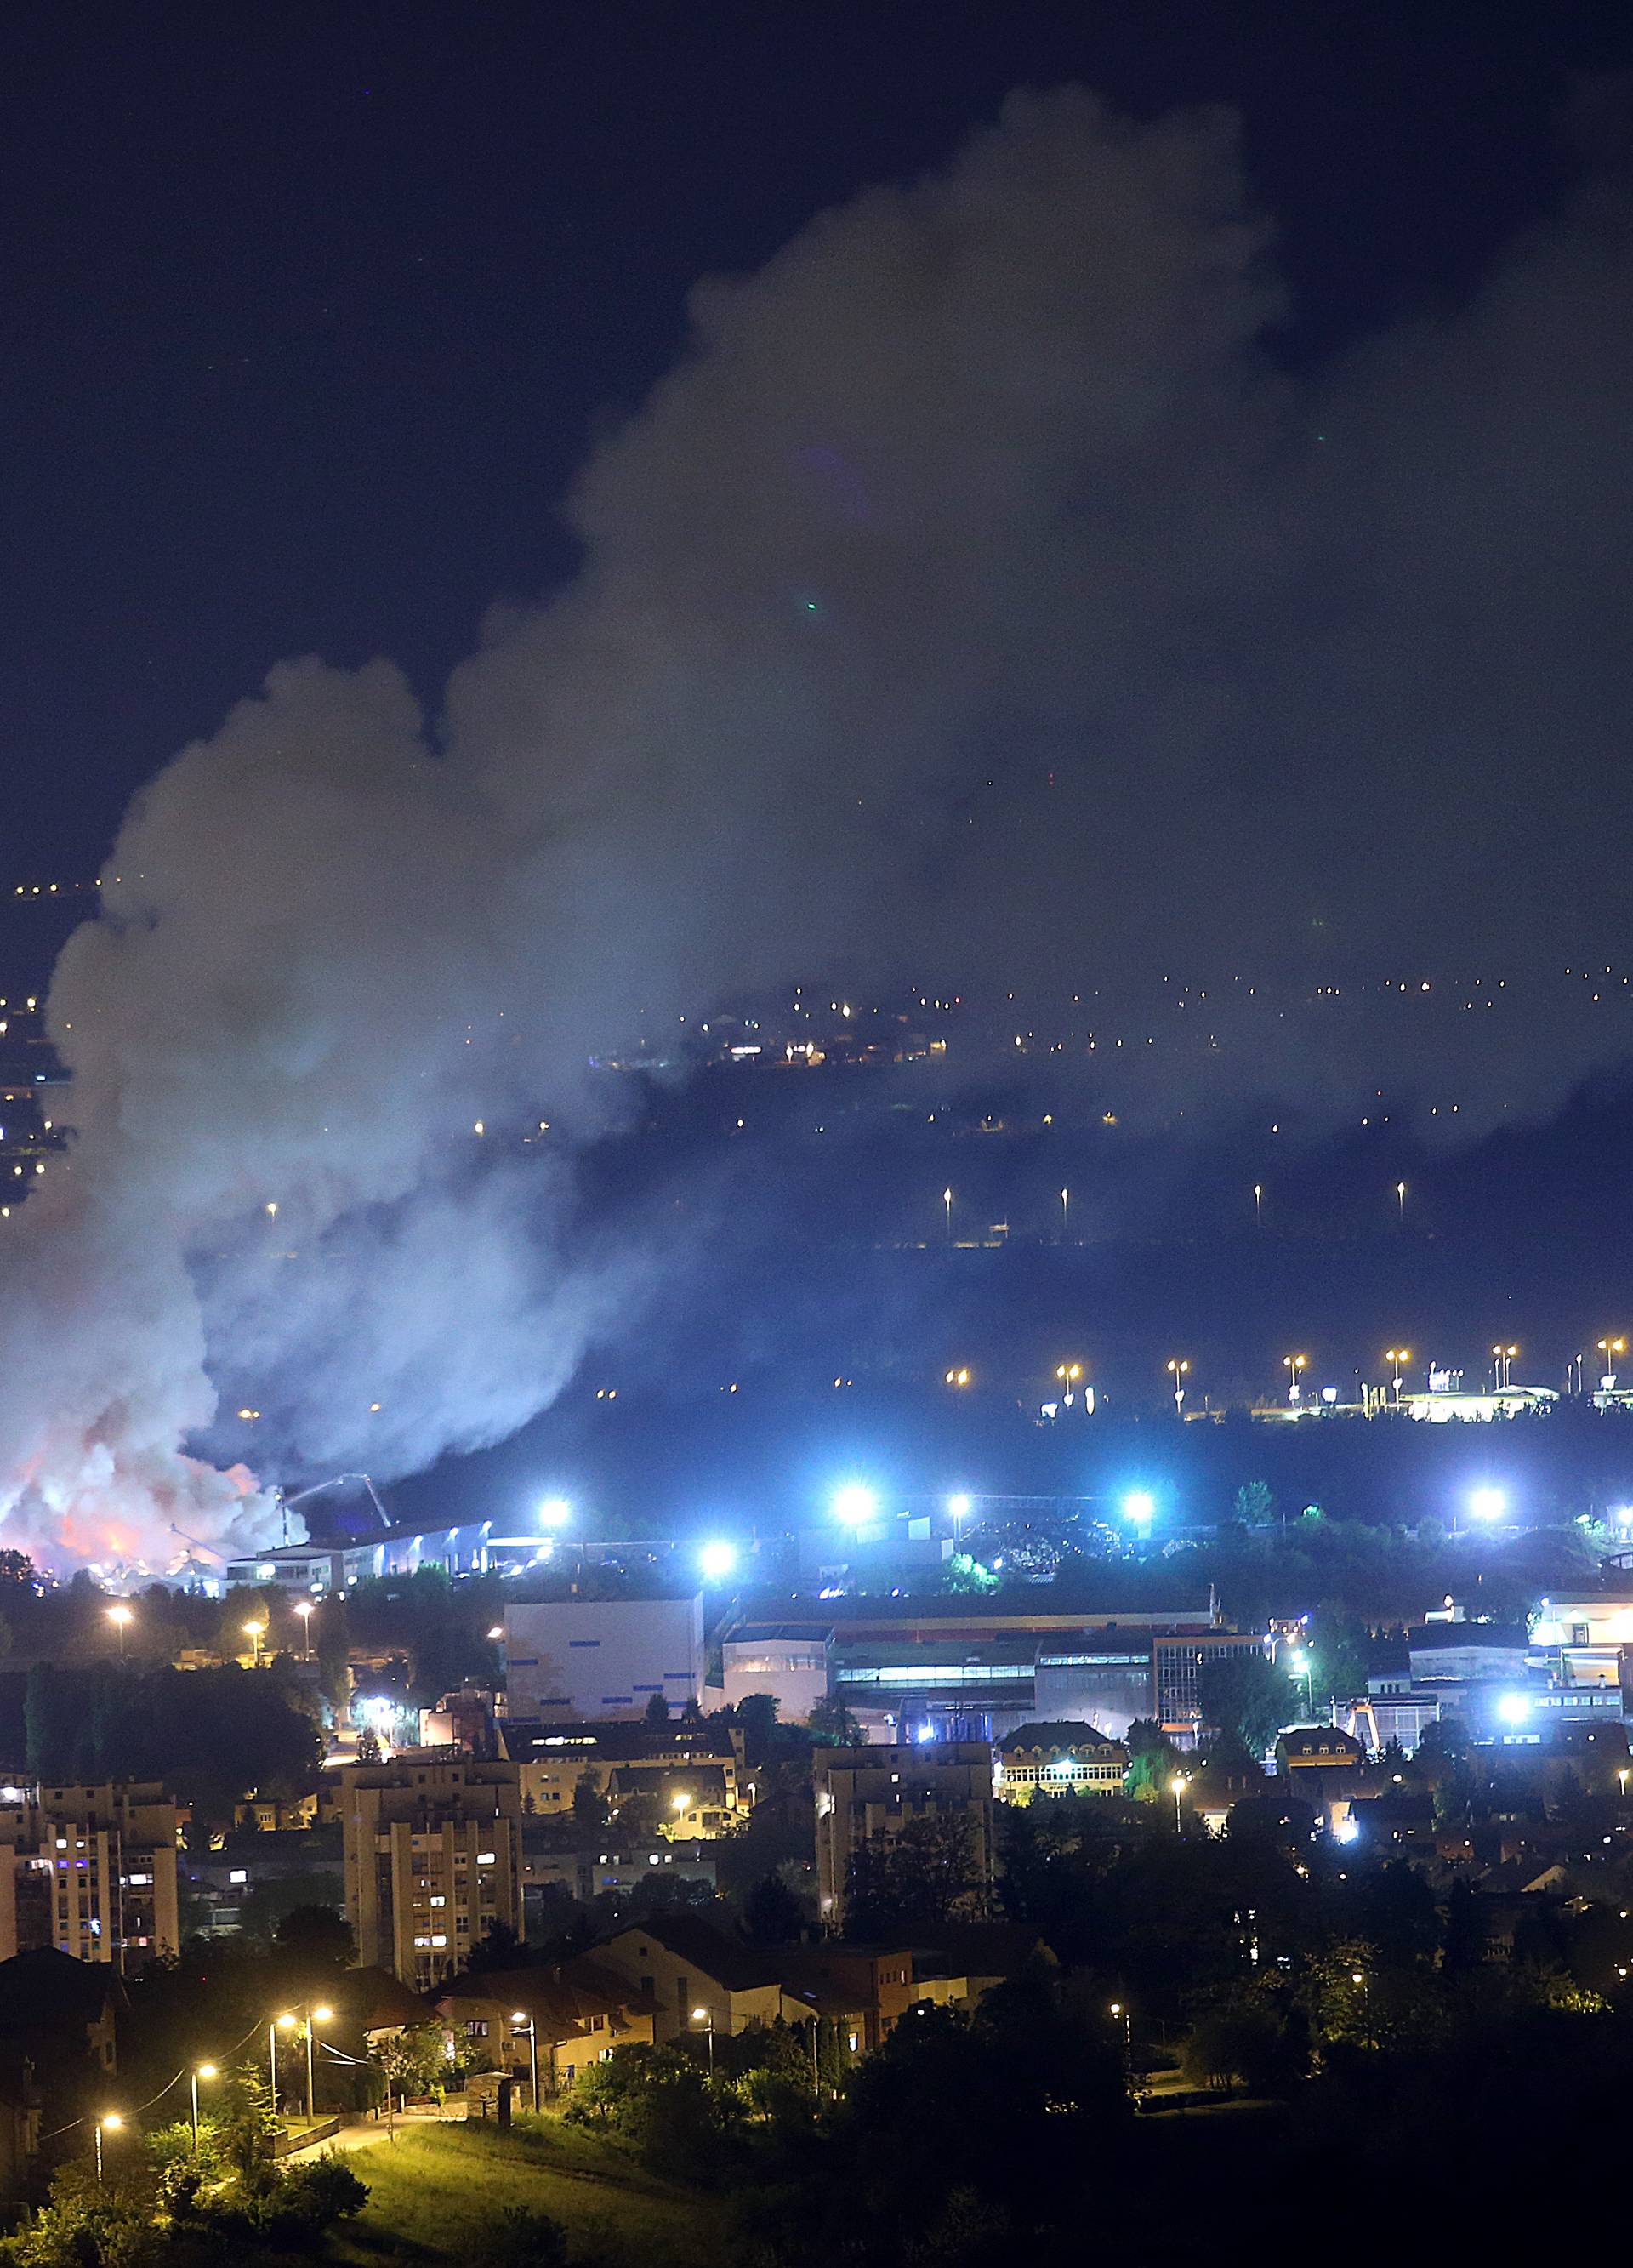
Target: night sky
[311, 313]
[525, 525]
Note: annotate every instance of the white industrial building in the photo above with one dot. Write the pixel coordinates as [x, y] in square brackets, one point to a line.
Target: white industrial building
[584, 1659]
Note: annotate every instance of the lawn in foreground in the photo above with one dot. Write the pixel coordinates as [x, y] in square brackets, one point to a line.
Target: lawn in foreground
[437, 2192]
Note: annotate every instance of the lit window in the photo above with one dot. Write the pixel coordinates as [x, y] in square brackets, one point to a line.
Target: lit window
[484, 1858]
[239, 1874]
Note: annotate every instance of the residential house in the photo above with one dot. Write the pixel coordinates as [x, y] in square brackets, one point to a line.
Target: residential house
[696, 1975]
[1063, 1759]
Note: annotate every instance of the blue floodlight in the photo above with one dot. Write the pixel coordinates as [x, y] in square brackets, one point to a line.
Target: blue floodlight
[855, 1504]
[962, 1505]
[1487, 1503]
[1514, 1708]
[1140, 1507]
[555, 1512]
[716, 1561]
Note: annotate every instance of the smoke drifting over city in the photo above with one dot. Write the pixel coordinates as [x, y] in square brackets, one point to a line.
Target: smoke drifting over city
[977, 597]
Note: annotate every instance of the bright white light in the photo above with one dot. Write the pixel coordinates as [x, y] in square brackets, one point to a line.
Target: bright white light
[1140, 1506]
[1513, 1708]
[855, 1504]
[1487, 1503]
[1346, 1831]
[555, 1512]
[716, 1561]
[960, 1506]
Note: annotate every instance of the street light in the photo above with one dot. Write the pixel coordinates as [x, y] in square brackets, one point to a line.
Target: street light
[199, 2071]
[1501, 1371]
[1065, 1215]
[122, 1619]
[960, 1508]
[1068, 1374]
[305, 1608]
[1140, 1507]
[522, 2020]
[1178, 1785]
[946, 1199]
[315, 2017]
[1177, 1371]
[555, 1512]
[1294, 1364]
[278, 2024]
[254, 1632]
[1121, 2009]
[1258, 1205]
[716, 1561]
[705, 2016]
[1397, 1356]
[1400, 1198]
[1609, 1348]
[110, 2123]
[1301, 1669]
[855, 1504]
[958, 1377]
[1487, 1503]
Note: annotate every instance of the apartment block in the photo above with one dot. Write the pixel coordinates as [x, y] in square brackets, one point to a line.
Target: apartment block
[90, 1872]
[433, 1851]
[869, 1795]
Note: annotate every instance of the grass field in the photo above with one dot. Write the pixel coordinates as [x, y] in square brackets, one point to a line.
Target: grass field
[435, 2192]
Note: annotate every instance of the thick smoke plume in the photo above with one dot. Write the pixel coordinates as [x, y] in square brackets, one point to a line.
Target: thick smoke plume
[976, 593]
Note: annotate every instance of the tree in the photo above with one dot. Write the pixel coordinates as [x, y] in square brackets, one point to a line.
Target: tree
[368, 1746]
[964, 1573]
[1244, 1697]
[832, 1726]
[315, 1938]
[522, 2239]
[1255, 1504]
[913, 1883]
[590, 1806]
[1154, 1760]
[657, 1711]
[772, 1915]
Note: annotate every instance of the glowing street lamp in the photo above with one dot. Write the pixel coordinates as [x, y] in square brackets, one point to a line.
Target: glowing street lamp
[946, 1199]
[1139, 1508]
[855, 1504]
[306, 1609]
[1294, 1364]
[1065, 1215]
[555, 1512]
[1487, 1503]
[1177, 1371]
[199, 2071]
[315, 2017]
[285, 2023]
[1177, 1786]
[1125, 2017]
[705, 2017]
[1258, 1205]
[716, 1561]
[1610, 1348]
[1501, 1366]
[525, 2022]
[109, 2122]
[958, 1377]
[122, 1619]
[1068, 1374]
[254, 1632]
[1400, 1198]
[1395, 1357]
[960, 1508]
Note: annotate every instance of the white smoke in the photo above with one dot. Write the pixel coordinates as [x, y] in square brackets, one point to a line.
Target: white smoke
[982, 479]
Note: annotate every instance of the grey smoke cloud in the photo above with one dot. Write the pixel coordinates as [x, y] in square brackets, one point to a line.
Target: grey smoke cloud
[982, 480]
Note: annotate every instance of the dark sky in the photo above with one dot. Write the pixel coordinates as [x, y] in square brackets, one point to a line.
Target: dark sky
[310, 313]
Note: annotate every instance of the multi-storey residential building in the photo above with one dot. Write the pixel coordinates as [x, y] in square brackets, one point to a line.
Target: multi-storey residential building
[695, 1773]
[90, 1872]
[432, 1846]
[868, 1794]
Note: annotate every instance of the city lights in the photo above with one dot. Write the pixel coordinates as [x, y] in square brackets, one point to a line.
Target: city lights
[855, 1504]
